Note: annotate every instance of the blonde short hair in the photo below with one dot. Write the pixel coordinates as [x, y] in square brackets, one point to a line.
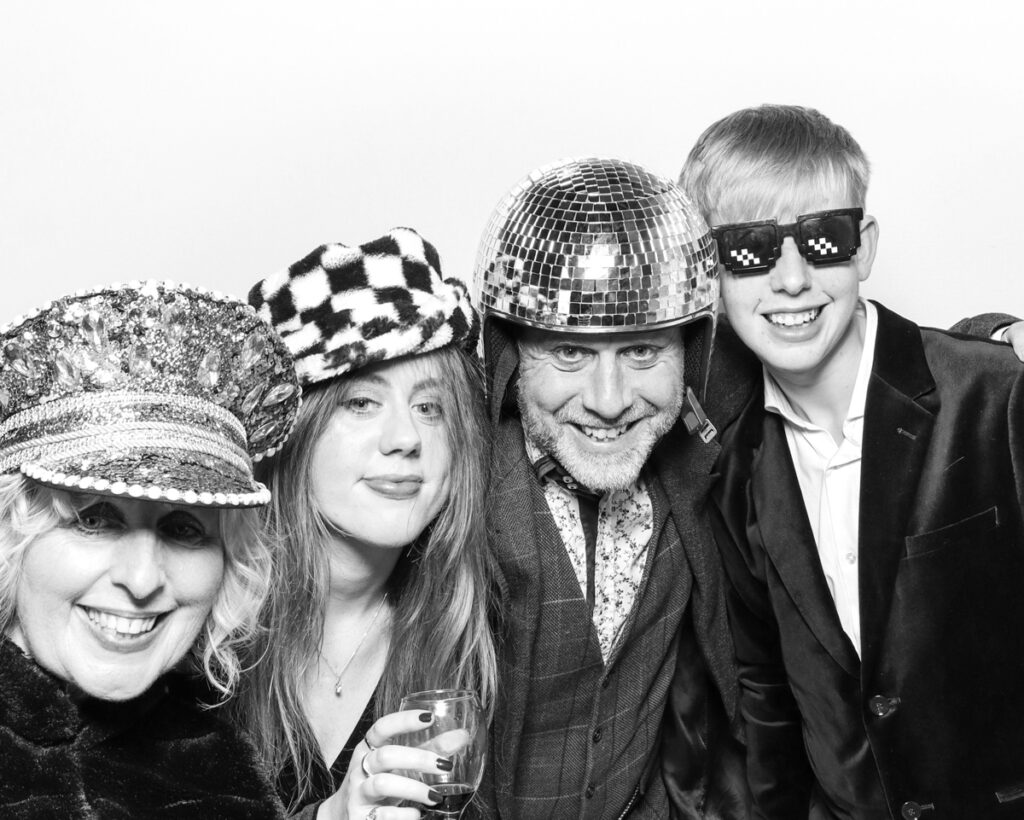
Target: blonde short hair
[29, 510]
[767, 157]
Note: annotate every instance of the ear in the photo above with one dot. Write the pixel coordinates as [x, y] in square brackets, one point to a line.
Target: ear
[865, 256]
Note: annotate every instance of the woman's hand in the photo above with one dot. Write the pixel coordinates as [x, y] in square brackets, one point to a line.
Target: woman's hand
[373, 787]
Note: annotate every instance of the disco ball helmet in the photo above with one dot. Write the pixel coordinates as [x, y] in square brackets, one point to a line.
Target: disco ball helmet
[602, 246]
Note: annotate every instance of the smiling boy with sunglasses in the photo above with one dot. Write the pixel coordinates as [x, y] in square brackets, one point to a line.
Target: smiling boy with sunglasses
[868, 505]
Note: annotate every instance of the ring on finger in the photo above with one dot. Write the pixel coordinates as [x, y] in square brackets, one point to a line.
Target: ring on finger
[372, 813]
[366, 769]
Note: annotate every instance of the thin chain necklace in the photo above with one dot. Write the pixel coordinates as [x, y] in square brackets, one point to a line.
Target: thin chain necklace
[338, 675]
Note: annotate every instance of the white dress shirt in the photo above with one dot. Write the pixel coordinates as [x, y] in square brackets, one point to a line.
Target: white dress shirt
[829, 477]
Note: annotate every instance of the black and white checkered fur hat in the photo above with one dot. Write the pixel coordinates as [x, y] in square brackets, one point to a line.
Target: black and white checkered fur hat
[341, 308]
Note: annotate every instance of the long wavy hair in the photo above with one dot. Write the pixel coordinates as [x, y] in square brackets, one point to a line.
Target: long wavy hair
[437, 593]
[29, 510]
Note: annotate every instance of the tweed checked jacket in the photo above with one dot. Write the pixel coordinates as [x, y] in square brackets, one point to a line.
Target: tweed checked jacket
[574, 737]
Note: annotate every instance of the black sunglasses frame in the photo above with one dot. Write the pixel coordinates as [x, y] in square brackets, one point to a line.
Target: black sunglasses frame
[780, 232]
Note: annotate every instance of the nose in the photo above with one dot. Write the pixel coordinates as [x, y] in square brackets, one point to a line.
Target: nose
[791, 273]
[138, 565]
[608, 393]
[400, 434]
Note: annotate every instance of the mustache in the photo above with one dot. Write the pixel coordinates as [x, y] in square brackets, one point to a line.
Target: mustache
[584, 418]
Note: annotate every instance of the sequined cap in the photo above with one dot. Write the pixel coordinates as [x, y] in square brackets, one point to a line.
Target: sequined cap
[598, 246]
[150, 390]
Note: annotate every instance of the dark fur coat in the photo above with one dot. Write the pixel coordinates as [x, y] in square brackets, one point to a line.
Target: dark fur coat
[157, 756]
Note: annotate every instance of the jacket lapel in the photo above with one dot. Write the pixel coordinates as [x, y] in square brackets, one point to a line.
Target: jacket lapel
[513, 542]
[685, 466]
[898, 420]
[789, 542]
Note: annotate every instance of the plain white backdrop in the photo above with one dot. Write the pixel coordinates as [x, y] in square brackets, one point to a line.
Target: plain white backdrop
[216, 142]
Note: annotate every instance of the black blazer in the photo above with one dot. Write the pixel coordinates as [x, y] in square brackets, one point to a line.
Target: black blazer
[929, 721]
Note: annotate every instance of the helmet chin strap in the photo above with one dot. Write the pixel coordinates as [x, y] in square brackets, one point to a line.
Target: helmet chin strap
[695, 419]
[547, 468]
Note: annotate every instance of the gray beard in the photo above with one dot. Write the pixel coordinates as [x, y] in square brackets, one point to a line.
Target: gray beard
[600, 473]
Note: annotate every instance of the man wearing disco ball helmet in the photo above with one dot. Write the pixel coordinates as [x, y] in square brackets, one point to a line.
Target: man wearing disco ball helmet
[598, 283]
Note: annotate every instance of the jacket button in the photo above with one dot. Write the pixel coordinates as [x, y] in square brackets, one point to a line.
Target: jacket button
[590, 791]
[597, 734]
[910, 810]
[881, 706]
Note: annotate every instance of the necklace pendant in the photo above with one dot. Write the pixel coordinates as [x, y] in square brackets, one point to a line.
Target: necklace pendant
[352, 657]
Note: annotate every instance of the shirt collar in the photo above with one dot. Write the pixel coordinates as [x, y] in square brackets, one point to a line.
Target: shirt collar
[775, 400]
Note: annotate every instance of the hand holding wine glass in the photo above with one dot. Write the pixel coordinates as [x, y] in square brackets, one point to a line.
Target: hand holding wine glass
[458, 732]
[386, 771]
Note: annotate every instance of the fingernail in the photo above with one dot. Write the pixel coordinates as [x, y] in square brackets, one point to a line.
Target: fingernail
[426, 717]
[445, 764]
[433, 796]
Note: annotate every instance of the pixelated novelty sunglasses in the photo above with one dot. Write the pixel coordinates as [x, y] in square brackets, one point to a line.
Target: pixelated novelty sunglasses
[823, 238]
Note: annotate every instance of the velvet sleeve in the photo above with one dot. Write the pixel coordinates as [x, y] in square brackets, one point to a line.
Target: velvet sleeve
[778, 771]
[983, 325]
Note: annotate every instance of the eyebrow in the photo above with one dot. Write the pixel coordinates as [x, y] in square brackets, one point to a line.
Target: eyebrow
[82, 501]
[380, 381]
[648, 340]
[370, 378]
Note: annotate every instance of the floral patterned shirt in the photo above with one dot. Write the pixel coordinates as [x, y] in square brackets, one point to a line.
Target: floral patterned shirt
[624, 527]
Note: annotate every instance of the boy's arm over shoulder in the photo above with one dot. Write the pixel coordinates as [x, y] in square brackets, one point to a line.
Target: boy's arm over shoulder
[985, 325]
[1014, 413]
[778, 771]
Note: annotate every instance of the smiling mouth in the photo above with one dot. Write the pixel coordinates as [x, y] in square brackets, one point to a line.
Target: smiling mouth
[804, 317]
[119, 626]
[604, 433]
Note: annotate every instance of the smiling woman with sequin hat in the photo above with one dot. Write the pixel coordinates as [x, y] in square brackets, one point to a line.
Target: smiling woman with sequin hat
[130, 418]
[380, 587]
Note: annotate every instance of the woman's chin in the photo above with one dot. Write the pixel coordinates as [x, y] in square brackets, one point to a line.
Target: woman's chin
[119, 668]
[116, 692]
[115, 682]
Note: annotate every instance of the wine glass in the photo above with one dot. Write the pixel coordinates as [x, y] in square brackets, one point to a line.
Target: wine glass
[457, 732]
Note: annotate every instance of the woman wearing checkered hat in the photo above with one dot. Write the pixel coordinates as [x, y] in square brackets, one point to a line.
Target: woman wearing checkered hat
[379, 585]
[130, 550]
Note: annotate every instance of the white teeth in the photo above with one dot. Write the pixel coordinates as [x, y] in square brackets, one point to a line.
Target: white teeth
[109, 622]
[604, 433]
[793, 319]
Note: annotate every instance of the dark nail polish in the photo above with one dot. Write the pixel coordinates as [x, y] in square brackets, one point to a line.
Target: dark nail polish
[433, 796]
[445, 764]
[426, 717]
